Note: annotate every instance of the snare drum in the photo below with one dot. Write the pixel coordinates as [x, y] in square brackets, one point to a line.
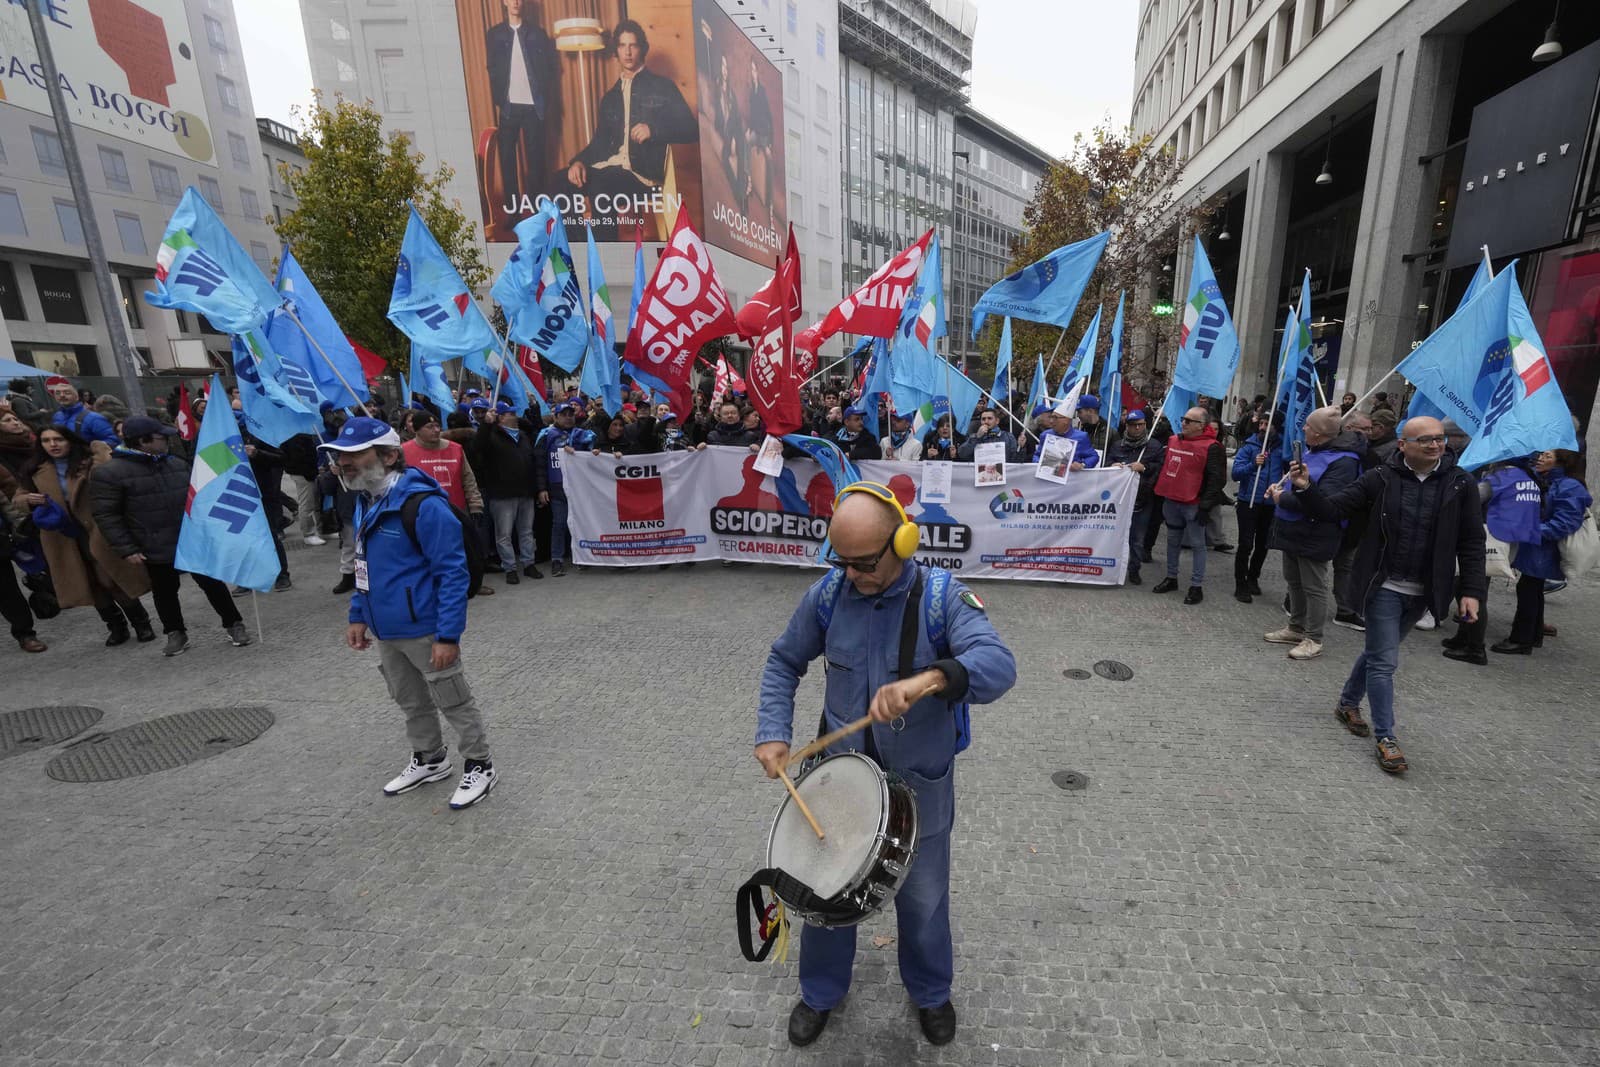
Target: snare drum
[870, 822]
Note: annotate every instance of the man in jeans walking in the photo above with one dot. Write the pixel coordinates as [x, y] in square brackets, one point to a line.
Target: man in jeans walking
[1426, 520]
[138, 498]
[411, 595]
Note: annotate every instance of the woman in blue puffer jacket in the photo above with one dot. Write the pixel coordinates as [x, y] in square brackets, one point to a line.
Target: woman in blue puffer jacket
[1566, 498]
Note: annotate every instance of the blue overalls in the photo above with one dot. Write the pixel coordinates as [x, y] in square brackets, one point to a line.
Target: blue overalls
[862, 650]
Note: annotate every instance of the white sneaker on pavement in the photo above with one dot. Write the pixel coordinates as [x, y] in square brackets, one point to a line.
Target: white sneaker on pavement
[1427, 622]
[1307, 649]
[315, 539]
[421, 771]
[476, 781]
[1285, 636]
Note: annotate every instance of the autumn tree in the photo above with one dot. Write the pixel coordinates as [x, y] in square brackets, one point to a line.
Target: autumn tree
[1110, 180]
[351, 216]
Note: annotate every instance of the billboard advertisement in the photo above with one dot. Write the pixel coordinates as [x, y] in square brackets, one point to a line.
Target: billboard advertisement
[605, 107]
[127, 68]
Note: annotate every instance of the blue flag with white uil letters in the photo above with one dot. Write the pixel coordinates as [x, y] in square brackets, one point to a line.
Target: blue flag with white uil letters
[201, 267]
[224, 534]
[321, 348]
[1208, 347]
[426, 378]
[277, 400]
[430, 303]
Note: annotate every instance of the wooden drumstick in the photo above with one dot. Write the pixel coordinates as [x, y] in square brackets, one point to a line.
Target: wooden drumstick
[862, 723]
[788, 783]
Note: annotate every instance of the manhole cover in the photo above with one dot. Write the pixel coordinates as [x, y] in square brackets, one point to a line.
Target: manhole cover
[1112, 670]
[31, 728]
[1077, 674]
[1071, 781]
[159, 744]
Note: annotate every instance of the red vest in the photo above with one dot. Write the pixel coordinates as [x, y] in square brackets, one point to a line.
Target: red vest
[1184, 469]
[443, 465]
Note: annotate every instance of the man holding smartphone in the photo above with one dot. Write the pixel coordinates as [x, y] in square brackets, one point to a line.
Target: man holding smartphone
[1425, 520]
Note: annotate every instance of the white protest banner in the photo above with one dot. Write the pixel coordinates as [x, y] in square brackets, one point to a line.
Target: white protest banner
[639, 509]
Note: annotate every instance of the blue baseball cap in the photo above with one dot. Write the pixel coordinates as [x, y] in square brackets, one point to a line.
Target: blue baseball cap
[479, 404]
[1091, 403]
[670, 416]
[362, 433]
[1136, 415]
[473, 392]
[503, 408]
[854, 410]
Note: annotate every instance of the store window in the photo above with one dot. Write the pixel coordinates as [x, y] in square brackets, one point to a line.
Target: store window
[60, 297]
[10, 295]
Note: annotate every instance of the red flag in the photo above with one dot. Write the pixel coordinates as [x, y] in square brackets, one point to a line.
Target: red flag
[1131, 400]
[727, 380]
[188, 429]
[682, 307]
[528, 360]
[752, 317]
[372, 365]
[774, 388]
[874, 309]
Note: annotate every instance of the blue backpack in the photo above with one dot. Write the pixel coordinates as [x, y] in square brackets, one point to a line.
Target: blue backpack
[935, 610]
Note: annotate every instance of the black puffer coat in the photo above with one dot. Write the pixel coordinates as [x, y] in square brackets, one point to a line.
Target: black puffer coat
[1308, 536]
[138, 502]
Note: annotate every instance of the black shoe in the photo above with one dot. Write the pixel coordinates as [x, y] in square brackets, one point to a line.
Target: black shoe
[806, 1025]
[143, 632]
[1165, 585]
[282, 583]
[1350, 620]
[1194, 595]
[1241, 593]
[1458, 642]
[1511, 648]
[1255, 588]
[492, 566]
[1147, 556]
[532, 571]
[557, 568]
[1134, 579]
[119, 635]
[1468, 655]
[347, 584]
[1224, 549]
[513, 578]
[938, 1024]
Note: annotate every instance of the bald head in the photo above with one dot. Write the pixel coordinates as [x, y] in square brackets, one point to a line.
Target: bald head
[1422, 443]
[860, 532]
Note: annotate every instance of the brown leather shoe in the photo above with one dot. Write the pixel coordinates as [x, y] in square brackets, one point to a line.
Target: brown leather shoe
[1390, 758]
[1351, 717]
[31, 644]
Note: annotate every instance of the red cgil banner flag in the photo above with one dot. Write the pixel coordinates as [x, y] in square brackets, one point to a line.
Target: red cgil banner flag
[188, 429]
[774, 384]
[682, 307]
[874, 309]
[752, 318]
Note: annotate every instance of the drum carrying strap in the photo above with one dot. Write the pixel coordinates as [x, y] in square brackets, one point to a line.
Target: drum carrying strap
[768, 919]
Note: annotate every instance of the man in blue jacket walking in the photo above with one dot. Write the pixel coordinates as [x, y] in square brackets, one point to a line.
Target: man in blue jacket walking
[411, 595]
[872, 543]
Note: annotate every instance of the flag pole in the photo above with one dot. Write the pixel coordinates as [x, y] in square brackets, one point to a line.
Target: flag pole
[289, 308]
[1051, 365]
[825, 370]
[1277, 391]
[255, 598]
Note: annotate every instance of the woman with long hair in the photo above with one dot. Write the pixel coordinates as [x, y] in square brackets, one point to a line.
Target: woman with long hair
[83, 567]
[1565, 498]
[17, 442]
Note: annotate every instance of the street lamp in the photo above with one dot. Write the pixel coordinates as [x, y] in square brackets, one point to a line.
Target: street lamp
[1326, 175]
[1550, 50]
[955, 231]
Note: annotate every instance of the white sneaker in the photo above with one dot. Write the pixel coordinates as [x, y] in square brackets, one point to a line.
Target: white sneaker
[315, 539]
[1427, 622]
[475, 785]
[1307, 649]
[1285, 636]
[418, 773]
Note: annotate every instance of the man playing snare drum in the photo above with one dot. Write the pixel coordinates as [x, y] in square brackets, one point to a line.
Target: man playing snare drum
[872, 542]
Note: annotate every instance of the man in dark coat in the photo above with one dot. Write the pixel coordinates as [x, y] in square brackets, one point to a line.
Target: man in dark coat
[522, 64]
[639, 117]
[138, 498]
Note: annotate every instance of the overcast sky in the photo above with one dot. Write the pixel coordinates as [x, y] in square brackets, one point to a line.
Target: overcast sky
[1045, 70]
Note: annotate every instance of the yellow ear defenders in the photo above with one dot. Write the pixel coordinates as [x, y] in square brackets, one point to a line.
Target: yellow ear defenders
[905, 535]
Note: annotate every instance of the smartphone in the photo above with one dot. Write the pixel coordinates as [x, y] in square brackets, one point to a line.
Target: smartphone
[1299, 449]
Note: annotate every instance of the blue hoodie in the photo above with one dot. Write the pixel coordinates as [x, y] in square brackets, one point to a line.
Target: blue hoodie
[93, 426]
[412, 593]
[1244, 470]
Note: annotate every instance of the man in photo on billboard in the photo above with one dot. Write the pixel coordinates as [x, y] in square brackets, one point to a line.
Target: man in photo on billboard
[639, 117]
[758, 138]
[521, 64]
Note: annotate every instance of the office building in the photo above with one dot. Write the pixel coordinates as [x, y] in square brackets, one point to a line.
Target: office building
[1381, 143]
[280, 148]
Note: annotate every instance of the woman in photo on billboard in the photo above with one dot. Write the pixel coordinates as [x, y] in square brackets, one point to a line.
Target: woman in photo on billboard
[640, 115]
[522, 68]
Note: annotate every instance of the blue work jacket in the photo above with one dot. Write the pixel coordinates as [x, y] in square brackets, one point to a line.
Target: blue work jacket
[861, 650]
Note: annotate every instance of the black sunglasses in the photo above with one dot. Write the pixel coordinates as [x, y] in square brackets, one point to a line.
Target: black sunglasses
[864, 566]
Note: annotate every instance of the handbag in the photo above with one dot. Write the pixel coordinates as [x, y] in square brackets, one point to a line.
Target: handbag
[1499, 558]
[1580, 551]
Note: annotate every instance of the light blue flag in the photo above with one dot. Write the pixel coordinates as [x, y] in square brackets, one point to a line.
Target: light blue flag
[1297, 390]
[514, 389]
[1111, 373]
[224, 533]
[540, 293]
[200, 267]
[1038, 394]
[1421, 406]
[918, 368]
[1083, 357]
[277, 401]
[426, 378]
[1486, 368]
[1178, 402]
[1046, 291]
[602, 373]
[1002, 364]
[638, 282]
[293, 346]
[1208, 347]
[430, 303]
[958, 397]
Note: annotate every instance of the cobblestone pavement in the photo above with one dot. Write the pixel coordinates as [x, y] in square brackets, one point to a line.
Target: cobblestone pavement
[1239, 881]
